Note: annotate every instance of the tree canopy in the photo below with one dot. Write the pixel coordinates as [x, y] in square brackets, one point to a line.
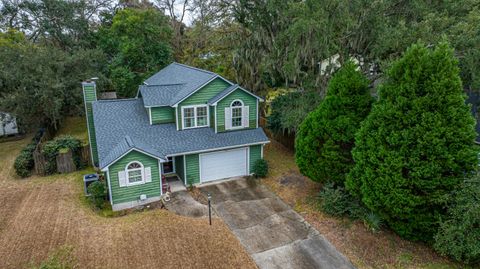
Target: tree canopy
[138, 43]
[325, 138]
[416, 145]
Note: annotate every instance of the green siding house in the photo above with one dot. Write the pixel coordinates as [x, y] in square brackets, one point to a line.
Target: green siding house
[185, 122]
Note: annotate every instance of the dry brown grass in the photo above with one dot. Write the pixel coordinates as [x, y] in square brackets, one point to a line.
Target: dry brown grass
[41, 215]
[363, 248]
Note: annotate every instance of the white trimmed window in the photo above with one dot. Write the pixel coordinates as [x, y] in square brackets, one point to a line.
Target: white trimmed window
[236, 116]
[195, 116]
[237, 107]
[134, 173]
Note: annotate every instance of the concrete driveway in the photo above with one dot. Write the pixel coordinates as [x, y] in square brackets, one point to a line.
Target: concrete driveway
[272, 233]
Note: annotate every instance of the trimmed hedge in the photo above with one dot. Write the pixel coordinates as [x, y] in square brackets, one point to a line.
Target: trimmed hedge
[260, 168]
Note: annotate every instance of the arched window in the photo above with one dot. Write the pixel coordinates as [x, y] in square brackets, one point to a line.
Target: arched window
[237, 112]
[134, 171]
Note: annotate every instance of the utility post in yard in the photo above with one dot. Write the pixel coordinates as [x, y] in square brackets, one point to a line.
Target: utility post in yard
[209, 209]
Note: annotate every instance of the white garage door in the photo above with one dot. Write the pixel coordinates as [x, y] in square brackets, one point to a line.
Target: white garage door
[223, 164]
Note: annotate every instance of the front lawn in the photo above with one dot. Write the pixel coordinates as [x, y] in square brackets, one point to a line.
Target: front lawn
[363, 248]
[41, 215]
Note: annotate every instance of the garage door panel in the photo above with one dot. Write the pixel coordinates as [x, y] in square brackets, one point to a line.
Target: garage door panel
[223, 164]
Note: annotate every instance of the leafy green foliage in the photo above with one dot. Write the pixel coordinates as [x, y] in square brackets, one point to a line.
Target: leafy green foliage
[288, 110]
[288, 39]
[326, 137]
[53, 147]
[260, 168]
[415, 146]
[97, 191]
[40, 85]
[459, 233]
[336, 201]
[138, 44]
[24, 162]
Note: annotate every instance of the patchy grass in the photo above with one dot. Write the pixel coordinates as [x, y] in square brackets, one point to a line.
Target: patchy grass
[74, 126]
[364, 248]
[40, 215]
[61, 258]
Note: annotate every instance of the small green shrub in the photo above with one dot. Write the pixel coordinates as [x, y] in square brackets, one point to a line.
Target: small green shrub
[24, 162]
[373, 221]
[260, 168]
[336, 201]
[97, 191]
[459, 234]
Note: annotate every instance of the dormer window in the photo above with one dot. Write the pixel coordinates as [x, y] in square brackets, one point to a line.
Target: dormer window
[237, 115]
[195, 116]
[237, 107]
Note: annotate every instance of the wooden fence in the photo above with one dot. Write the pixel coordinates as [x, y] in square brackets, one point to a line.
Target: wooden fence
[64, 160]
[39, 159]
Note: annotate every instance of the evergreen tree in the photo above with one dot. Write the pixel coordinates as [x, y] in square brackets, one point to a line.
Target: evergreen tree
[326, 136]
[416, 145]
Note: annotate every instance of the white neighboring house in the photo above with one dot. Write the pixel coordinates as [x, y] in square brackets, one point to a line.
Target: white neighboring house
[8, 124]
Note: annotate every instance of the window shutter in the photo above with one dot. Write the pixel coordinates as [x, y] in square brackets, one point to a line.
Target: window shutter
[122, 179]
[245, 117]
[148, 174]
[228, 118]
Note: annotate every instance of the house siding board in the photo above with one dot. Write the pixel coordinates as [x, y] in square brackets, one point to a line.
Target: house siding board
[163, 115]
[193, 169]
[91, 96]
[179, 167]
[132, 193]
[247, 99]
[202, 96]
[255, 155]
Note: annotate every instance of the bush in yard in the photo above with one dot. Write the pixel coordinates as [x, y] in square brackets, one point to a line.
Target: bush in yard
[336, 201]
[24, 162]
[97, 191]
[415, 146]
[260, 168]
[459, 234]
[326, 137]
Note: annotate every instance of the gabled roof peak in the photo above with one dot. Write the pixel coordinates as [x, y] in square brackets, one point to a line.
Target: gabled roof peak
[194, 68]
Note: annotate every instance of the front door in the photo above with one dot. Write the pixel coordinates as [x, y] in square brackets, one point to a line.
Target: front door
[169, 167]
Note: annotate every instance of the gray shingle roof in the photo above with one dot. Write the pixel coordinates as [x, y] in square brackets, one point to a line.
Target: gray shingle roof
[160, 95]
[176, 73]
[117, 119]
[222, 94]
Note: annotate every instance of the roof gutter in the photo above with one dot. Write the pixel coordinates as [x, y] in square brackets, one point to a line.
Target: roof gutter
[216, 149]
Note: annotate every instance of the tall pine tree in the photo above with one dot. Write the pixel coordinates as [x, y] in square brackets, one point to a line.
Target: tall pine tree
[416, 145]
[326, 136]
